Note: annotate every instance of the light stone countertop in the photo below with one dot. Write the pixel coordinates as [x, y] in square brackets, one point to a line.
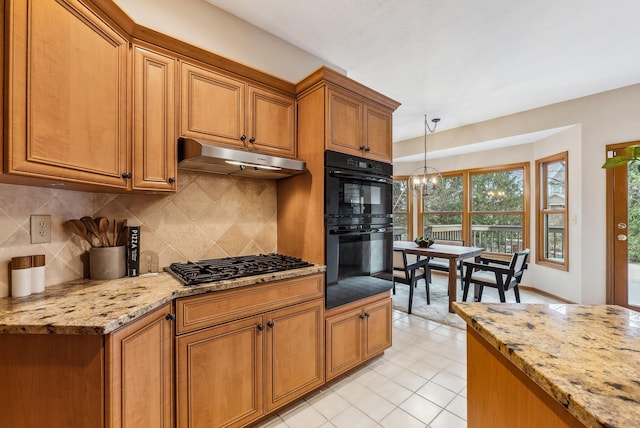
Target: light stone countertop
[100, 307]
[587, 357]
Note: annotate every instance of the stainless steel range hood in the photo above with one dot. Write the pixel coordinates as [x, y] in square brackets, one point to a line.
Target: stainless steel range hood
[201, 155]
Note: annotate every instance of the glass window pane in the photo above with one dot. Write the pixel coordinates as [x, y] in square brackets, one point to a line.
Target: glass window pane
[554, 237]
[443, 226]
[497, 233]
[556, 185]
[400, 230]
[448, 197]
[498, 191]
[400, 195]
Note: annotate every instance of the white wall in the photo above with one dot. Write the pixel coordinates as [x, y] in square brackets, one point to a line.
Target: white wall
[601, 119]
[206, 26]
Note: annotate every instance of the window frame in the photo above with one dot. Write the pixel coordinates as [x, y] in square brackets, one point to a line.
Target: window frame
[541, 211]
[409, 212]
[467, 206]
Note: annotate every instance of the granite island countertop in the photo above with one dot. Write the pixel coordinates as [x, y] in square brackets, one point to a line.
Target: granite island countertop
[587, 357]
[100, 307]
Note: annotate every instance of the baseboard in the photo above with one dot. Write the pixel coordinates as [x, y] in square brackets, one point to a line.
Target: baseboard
[544, 293]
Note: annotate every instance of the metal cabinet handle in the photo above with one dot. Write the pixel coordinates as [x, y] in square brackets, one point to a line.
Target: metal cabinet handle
[260, 327]
[243, 137]
[252, 140]
[271, 324]
[126, 175]
[366, 314]
[170, 317]
[361, 316]
[171, 180]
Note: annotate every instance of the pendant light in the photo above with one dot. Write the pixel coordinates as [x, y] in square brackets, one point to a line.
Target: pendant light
[424, 180]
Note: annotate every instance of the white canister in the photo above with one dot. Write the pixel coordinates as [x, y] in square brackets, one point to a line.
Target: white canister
[37, 273]
[21, 276]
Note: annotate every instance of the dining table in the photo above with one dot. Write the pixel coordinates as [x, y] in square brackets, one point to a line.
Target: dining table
[452, 253]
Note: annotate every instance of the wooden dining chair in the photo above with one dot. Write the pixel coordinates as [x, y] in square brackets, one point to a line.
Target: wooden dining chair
[495, 273]
[408, 269]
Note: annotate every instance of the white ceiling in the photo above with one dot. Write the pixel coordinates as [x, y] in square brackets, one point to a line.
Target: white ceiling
[464, 61]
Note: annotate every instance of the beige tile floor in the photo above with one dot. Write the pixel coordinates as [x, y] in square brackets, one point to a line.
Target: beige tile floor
[419, 382]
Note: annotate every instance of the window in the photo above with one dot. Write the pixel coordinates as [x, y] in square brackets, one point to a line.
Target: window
[402, 214]
[497, 214]
[552, 225]
[442, 211]
[484, 207]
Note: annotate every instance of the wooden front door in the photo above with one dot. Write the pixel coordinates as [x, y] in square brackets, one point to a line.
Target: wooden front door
[623, 232]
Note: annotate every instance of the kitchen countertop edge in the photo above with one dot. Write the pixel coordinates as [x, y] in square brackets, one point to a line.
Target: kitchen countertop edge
[86, 307]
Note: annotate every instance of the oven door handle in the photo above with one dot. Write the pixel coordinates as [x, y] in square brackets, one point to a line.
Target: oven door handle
[359, 231]
[343, 174]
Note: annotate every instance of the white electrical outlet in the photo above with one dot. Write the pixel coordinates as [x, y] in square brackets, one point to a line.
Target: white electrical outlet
[40, 229]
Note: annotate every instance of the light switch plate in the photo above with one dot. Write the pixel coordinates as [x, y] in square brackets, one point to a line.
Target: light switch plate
[40, 229]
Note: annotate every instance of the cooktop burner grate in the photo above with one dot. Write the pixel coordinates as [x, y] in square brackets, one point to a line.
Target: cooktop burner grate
[203, 271]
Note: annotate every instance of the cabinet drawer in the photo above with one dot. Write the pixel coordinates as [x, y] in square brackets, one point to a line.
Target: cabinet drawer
[214, 308]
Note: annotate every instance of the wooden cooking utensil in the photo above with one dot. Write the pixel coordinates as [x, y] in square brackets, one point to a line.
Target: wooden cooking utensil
[92, 230]
[103, 230]
[78, 227]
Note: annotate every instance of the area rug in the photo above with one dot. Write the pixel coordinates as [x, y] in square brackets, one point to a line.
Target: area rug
[437, 311]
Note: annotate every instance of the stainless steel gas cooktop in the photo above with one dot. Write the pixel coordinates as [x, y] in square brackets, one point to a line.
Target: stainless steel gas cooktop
[203, 271]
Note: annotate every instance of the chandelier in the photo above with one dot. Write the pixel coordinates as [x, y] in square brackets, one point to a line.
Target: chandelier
[425, 179]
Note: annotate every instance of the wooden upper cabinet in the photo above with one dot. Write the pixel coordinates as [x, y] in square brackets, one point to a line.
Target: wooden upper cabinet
[154, 136]
[224, 109]
[67, 93]
[212, 105]
[378, 133]
[356, 120]
[344, 133]
[357, 127]
[272, 122]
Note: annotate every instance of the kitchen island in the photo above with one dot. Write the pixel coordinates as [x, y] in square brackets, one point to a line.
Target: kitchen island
[552, 365]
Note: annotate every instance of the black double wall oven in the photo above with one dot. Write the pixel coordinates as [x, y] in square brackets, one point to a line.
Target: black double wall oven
[359, 227]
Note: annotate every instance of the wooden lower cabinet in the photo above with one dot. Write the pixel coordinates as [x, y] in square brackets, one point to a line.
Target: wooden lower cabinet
[124, 379]
[357, 332]
[139, 372]
[294, 352]
[233, 374]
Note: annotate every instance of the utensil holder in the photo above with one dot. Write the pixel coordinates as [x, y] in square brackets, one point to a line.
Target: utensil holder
[107, 262]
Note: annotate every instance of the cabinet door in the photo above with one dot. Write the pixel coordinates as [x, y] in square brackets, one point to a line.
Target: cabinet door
[344, 125]
[272, 123]
[294, 346]
[377, 334]
[220, 375]
[378, 137]
[212, 105]
[344, 342]
[67, 93]
[154, 136]
[140, 373]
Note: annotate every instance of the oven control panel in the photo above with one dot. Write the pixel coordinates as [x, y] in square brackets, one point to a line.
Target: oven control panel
[341, 160]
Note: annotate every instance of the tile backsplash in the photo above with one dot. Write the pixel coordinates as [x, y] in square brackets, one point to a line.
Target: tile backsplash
[210, 216]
